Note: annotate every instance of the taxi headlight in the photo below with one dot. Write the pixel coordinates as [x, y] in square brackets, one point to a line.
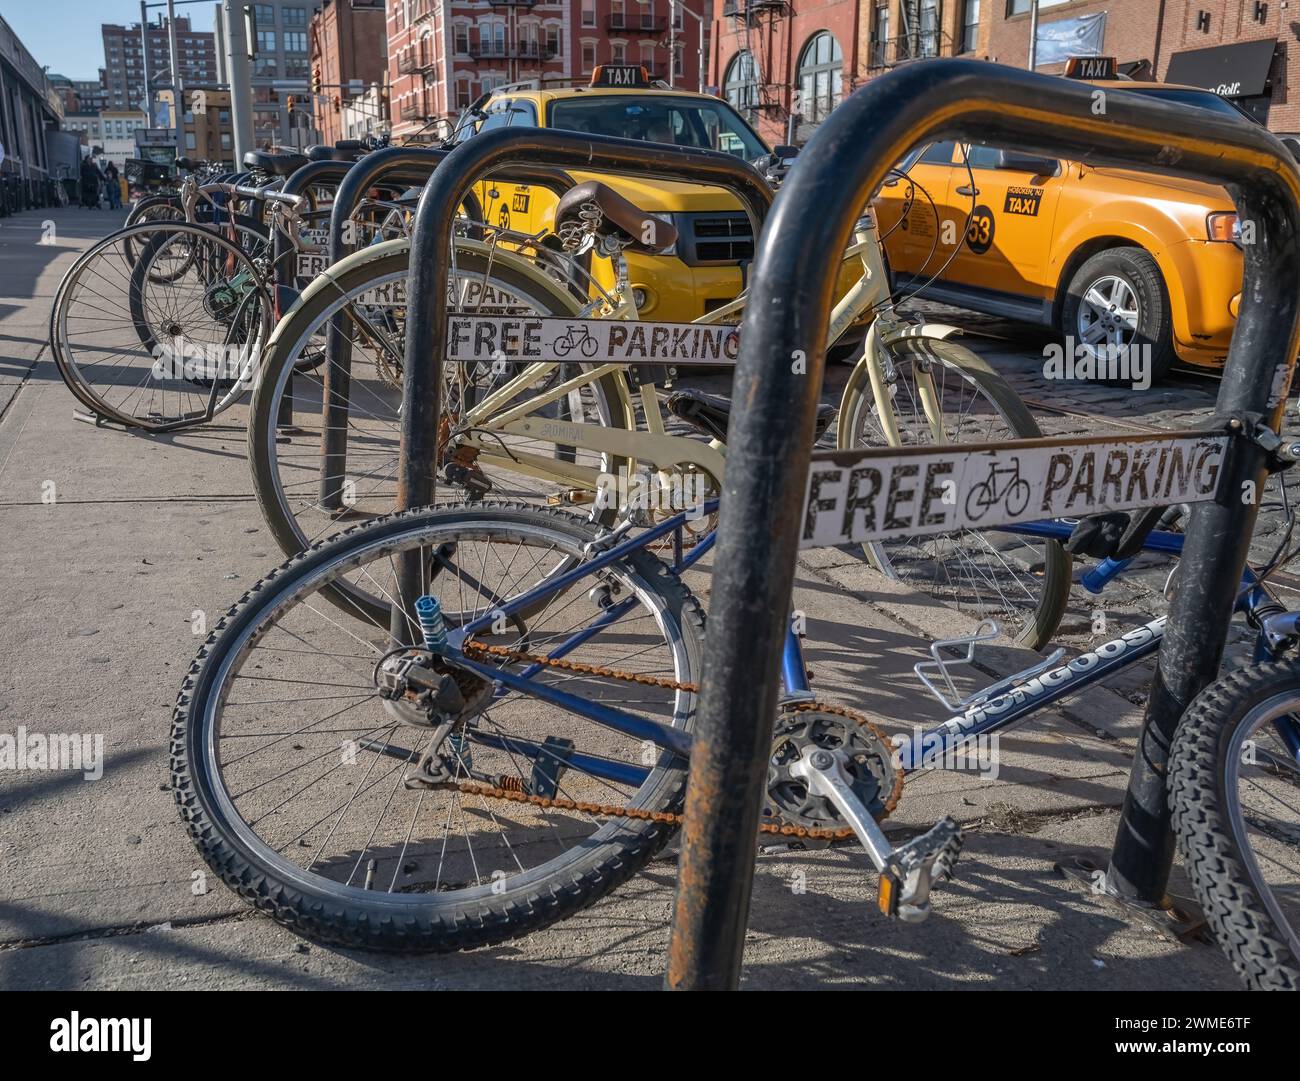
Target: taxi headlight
[1225, 227]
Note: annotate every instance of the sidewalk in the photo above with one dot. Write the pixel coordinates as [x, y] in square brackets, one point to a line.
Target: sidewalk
[99, 590]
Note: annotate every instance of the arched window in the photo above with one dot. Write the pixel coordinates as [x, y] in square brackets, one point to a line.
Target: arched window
[740, 87]
[821, 77]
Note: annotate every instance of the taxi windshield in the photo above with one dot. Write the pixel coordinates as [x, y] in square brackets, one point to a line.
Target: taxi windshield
[658, 119]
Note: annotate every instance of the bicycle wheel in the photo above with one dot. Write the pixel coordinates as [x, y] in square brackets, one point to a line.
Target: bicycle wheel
[290, 770]
[1234, 792]
[1024, 582]
[145, 353]
[305, 501]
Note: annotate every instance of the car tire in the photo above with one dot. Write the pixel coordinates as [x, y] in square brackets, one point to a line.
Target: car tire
[1140, 275]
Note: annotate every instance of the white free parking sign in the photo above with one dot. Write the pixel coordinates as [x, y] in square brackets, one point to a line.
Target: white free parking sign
[599, 341]
[856, 496]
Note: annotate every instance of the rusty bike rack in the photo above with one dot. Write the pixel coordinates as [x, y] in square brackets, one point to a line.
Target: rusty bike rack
[400, 165]
[769, 443]
[531, 152]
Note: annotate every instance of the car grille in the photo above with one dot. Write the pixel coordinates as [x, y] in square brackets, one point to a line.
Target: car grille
[714, 238]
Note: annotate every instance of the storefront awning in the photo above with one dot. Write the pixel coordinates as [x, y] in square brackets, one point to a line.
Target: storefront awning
[1234, 71]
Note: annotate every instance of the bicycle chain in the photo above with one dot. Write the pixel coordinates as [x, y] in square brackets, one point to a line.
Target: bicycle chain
[610, 810]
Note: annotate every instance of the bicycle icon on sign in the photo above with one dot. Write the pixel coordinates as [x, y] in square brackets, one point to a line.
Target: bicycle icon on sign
[579, 338]
[1004, 485]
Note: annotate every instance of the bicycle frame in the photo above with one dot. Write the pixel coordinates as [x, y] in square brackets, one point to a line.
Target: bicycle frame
[919, 751]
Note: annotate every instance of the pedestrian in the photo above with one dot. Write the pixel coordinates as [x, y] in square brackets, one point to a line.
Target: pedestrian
[114, 186]
[91, 181]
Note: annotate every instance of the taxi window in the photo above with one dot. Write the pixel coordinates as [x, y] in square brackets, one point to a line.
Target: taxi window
[983, 157]
[509, 114]
[658, 119]
[937, 154]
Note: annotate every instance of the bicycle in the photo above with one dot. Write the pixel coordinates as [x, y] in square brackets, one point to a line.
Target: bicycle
[911, 384]
[558, 682]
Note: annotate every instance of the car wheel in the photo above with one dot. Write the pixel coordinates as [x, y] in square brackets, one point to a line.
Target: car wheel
[1117, 302]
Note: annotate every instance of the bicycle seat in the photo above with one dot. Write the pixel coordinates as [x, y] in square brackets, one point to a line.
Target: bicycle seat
[620, 218]
[709, 413]
[334, 153]
[275, 164]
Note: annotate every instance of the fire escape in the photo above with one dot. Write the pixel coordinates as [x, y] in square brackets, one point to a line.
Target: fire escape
[919, 36]
[754, 23]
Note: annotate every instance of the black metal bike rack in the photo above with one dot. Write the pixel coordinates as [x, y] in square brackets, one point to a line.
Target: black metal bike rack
[770, 441]
[396, 165]
[531, 153]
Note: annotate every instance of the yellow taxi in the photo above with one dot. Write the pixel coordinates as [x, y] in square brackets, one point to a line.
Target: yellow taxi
[704, 270]
[1106, 257]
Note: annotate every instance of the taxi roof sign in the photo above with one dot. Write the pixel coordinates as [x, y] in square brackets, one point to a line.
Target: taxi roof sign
[620, 75]
[1091, 67]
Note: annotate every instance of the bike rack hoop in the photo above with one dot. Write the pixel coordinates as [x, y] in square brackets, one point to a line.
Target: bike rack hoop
[778, 379]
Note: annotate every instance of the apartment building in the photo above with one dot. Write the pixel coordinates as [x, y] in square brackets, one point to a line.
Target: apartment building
[348, 43]
[443, 54]
[207, 133]
[124, 59]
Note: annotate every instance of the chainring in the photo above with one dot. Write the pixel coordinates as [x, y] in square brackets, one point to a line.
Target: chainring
[870, 767]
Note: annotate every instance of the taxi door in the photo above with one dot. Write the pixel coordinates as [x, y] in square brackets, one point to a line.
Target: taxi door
[910, 211]
[1008, 237]
[510, 206]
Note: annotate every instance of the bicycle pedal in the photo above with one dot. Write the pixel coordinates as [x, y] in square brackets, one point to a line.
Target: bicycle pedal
[915, 867]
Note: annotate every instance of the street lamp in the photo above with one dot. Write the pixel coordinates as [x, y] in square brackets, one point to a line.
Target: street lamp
[672, 37]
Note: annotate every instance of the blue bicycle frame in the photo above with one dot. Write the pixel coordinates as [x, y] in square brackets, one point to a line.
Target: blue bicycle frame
[981, 718]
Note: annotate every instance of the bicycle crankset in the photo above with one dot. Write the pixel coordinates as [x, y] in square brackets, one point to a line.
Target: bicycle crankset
[868, 761]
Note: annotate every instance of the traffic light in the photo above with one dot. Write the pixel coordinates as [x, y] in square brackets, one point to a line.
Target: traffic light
[338, 103]
[315, 81]
[292, 102]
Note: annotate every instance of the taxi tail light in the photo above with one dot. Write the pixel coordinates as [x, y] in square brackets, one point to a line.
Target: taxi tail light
[1225, 227]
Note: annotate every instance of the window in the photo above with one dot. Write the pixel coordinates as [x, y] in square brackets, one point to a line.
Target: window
[190, 144]
[588, 55]
[660, 119]
[266, 41]
[225, 140]
[740, 87]
[554, 43]
[618, 52]
[290, 16]
[462, 39]
[264, 16]
[588, 12]
[679, 54]
[880, 43]
[970, 25]
[929, 28]
[295, 41]
[462, 94]
[821, 77]
[1021, 7]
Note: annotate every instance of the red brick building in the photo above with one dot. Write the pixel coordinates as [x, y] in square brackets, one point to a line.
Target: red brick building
[785, 66]
[442, 54]
[347, 47]
[1247, 50]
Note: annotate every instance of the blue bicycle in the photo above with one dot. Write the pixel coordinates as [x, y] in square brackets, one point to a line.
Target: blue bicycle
[523, 747]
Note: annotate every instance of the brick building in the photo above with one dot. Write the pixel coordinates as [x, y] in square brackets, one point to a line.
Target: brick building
[348, 53]
[124, 60]
[442, 54]
[207, 133]
[786, 67]
[1246, 50]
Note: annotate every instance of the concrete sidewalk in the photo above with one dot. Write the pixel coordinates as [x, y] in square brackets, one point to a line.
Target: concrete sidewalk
[99, 591]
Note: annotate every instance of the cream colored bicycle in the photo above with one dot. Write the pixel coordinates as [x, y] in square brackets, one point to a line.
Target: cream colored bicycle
[604, 434]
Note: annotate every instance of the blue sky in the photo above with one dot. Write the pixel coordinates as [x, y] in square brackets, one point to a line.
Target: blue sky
[64, 34]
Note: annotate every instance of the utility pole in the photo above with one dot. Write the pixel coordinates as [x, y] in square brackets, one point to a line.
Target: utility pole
[241, 85]
[1033, 34]
[144, 53]
[178, 91]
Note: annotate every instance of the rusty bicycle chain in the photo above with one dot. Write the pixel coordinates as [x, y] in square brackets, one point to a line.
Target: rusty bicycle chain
[611, 810]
